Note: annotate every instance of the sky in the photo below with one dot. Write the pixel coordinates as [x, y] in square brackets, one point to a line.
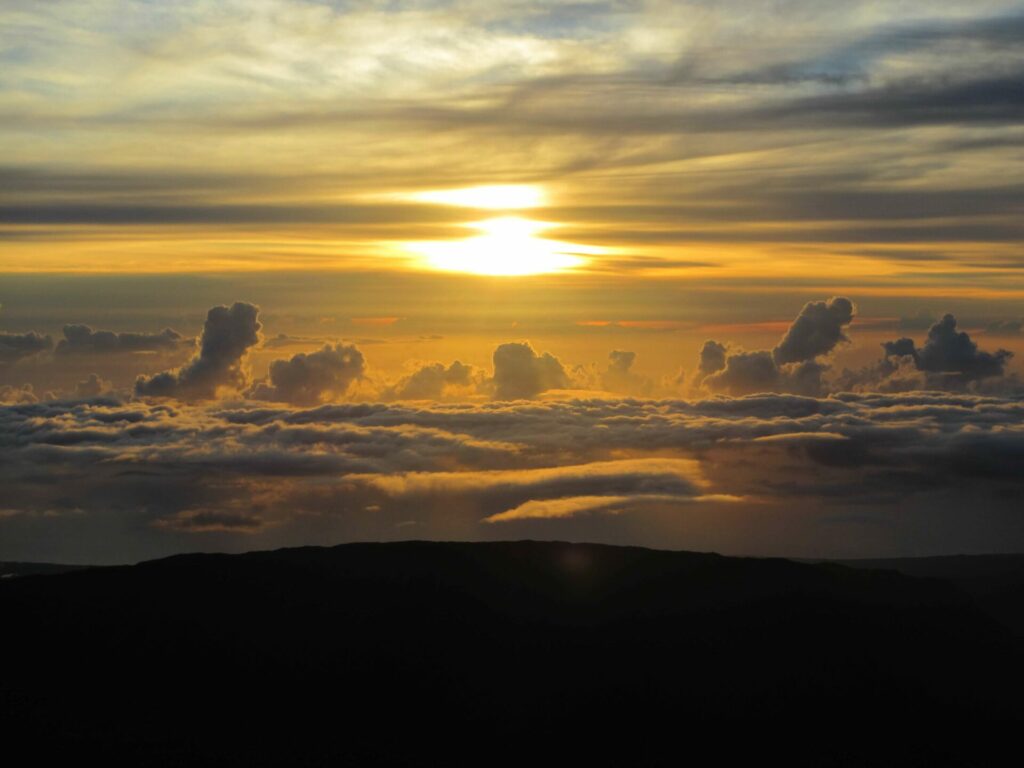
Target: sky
[726, 276]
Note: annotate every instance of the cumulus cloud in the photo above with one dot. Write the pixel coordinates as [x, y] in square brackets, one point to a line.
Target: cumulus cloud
[83, 340]
[433, 381]
[228, 335]
[948, 360]
[745, 373]
[93, 386]
[816, 331]
[949, 351]
[14, 395]
[17, 346]
[310, 379]
[619, 376]
[520, 373]
[712, 359]
[792, 366]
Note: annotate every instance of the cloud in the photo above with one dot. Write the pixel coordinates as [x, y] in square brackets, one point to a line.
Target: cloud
[210, 520]
[433, 381]
[606, 478]
[520, 373]
[91, 387]
[309, 379]
[949, 360]
[746, 373]
[950, 351]
[792, 366]
[16, 395]
[17, 346]
[816, 331]
[547, 509]
[712, 359]
[112, 479]
[228, 335]
[620, 378]
[1005, 327]
[83, 340]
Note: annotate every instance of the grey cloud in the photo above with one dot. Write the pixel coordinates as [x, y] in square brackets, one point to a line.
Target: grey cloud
[746, 373]
[135, 476]
[900, 348]
[83, 340]
[949, 359]
[792, 366]
[712, 358]
[17, 346]
[520, 373]
[619, 376]
[309, 379]
[816, 331]
[128, 214]
[228, 334]
[93, 386]
[948, 350]
[207, 520]
[1004, 327]
[430, 381]
[22, 394]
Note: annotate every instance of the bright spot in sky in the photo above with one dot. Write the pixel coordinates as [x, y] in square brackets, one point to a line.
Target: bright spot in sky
[506, 246]
[495, 196]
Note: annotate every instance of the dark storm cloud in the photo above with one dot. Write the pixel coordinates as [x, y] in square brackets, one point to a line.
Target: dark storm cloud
[17, 346]
[228, 334]
[520, 373]
[83, 340]
[308, 379]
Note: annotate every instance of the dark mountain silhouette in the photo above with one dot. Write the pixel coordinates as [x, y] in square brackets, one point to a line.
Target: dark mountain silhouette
[496, 653]
[995, 583]
[10, 570]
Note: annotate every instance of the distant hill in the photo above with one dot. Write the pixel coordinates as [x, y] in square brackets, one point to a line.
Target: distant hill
[10, 570]
[994, 582]
[497, 653]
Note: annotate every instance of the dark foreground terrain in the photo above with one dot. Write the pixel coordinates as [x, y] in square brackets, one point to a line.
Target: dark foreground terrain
[501, 653]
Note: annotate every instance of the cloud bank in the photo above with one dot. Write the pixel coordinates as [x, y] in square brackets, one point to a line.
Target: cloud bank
[772, 473]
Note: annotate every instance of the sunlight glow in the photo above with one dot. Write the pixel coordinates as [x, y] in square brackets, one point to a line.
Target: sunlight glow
[507, 246]
[492, 197]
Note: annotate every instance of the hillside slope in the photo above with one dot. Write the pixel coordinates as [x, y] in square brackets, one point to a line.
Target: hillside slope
[438, 653]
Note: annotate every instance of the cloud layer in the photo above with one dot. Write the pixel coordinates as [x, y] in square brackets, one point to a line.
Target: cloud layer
[103, 479]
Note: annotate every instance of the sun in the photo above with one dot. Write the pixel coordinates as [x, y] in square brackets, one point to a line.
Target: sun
[506, 246]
